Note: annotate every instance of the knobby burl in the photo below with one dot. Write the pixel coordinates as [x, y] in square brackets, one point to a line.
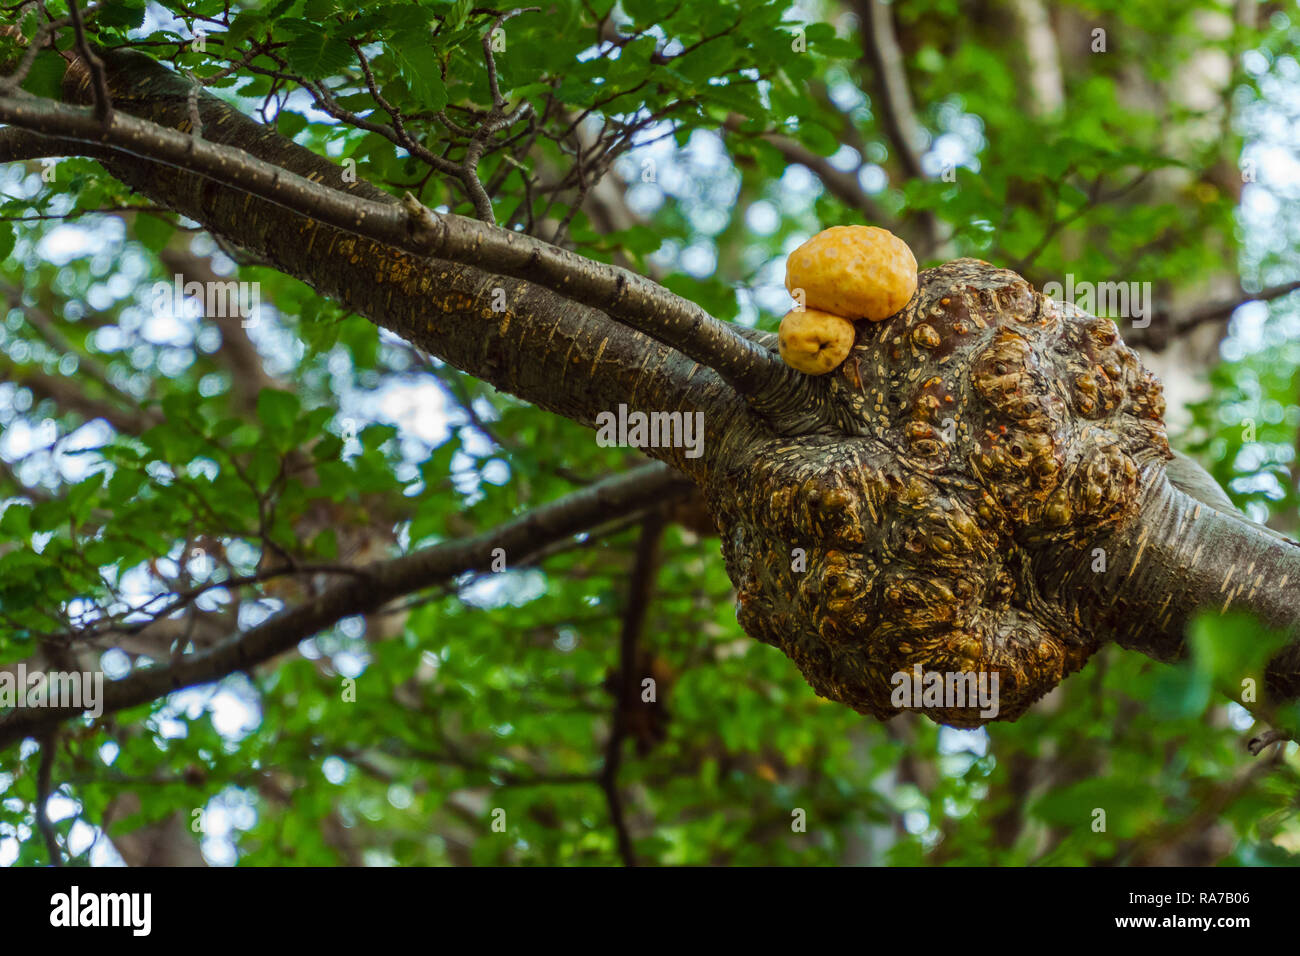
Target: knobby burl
[982, 433]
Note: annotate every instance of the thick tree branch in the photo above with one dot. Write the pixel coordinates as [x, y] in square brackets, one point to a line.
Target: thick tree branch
[516, 335]
[1183, 557]
[374, 586]
[623, 295]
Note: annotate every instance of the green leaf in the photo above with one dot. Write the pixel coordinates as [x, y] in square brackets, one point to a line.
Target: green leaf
[178, 408]
[1230, 649]
[46, 75]
[319, 9]
[818, 138]
[278, 410]
[420, 70]
[642, 11]
[317, 55]
[411, 24]
[49, 514]
[1179, 693]
[1128, 804]
[374, 436]
[81, 496]
[458, 14]
[263, 467]
[16, 520]
[125, 14]
[246, 24]
[154, 232]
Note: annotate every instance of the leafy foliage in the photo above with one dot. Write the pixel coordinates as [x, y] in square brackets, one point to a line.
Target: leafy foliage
[148, 474]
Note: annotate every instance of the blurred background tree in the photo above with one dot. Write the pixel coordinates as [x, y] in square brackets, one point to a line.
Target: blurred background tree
[156, 463]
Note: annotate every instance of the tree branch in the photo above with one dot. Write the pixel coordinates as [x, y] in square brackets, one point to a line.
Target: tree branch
[44, 773]
[66, 393]
[518, 336]
[379, 583]
[1164, 327]
[893, 95]
[625, 296]
[844, 186]
[103, 102]
[640, 587]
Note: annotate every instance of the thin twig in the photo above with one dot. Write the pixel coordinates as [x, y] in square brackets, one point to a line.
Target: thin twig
[99, 80]
[493, 85]
[1163, 328]
[43, 778]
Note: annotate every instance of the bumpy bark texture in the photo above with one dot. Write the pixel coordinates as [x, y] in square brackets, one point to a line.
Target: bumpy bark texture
[985, 433]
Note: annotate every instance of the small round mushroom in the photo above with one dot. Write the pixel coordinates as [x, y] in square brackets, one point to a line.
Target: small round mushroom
[859, 272]
[815, 342]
